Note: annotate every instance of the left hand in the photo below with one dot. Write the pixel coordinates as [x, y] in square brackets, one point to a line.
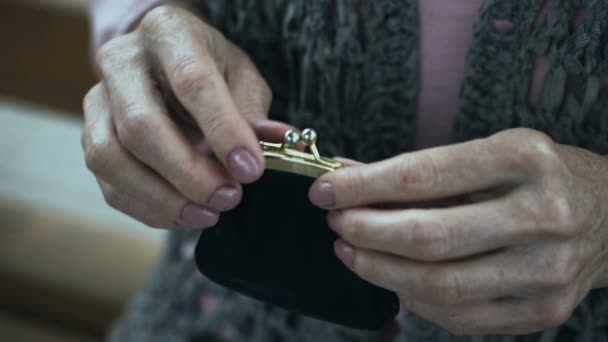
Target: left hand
[517, 257]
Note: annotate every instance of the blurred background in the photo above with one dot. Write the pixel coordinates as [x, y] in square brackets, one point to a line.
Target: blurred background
[68, 263]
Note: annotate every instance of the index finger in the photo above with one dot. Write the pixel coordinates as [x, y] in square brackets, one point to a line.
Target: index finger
[445, 283]
[419, 176]
[199, 85]
[436, 234]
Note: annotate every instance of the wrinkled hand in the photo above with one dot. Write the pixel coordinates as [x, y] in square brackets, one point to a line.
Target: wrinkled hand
[146, 165]
[516, 257]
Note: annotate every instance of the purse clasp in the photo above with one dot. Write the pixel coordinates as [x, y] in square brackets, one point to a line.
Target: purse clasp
[286, 157]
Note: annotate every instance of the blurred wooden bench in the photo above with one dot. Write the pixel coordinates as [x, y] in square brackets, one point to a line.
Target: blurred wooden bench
[44, 57]
[68, 274]
[68, 262]
[66, 269]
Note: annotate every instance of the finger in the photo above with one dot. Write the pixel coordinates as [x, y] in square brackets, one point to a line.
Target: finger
[134, 208]
[147, 211]
[435, 234]
[488, 317]
[265, 130]
[485, 277]
[185, 58]
[131, 186]
[145, 129]
[252, 95]
[512, 316]
[419, 176]
[269, 130]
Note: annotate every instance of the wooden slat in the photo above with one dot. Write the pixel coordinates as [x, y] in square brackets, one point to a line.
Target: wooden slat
[75, 6]
[67, 272]
[24, 329]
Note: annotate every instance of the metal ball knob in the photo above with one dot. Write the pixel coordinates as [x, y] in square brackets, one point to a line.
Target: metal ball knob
[291, 137]
[309, 136]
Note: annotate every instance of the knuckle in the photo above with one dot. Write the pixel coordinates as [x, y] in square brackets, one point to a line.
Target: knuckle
[367, 266]
[263, 95]
[131, 128]
[353, 229]
[550, 210]
[266, 93]
[445, 288]
[258, 94]
[190, 78]
[90, 100]
[419, 171]
[215, 127]
[116, 52]
[558, 270]
[453, 288]
[135, 126]
[364, 266]
[118, 201]
[563, 267]
[552, 313]
[557, 212]
[158, 17]
[113, 198]
[429, 237]
[354, 185]
[197, 185]
[99, 155]
[106, 53]
[531, 150]
[538, 151]
[84, 141]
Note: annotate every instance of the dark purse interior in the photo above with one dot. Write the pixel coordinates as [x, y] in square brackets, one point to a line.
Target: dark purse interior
[277, 247]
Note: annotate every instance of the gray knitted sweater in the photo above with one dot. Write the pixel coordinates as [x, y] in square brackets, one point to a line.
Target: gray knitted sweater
[355, 81]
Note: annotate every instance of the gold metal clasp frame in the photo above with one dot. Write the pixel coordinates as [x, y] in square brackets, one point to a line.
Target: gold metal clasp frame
[284, 157]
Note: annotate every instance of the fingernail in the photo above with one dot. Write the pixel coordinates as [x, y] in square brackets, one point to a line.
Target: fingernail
[333, 220]
[322, 195]
[225, 198]
[198, 217]
[345, 252]
[244, 165]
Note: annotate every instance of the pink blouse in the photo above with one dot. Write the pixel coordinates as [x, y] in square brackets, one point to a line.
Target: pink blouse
[110, 18]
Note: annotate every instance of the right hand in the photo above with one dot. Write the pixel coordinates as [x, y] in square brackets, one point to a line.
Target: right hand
[145, 164]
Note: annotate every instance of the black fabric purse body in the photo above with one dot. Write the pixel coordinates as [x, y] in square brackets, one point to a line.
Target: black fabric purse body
[277, 247]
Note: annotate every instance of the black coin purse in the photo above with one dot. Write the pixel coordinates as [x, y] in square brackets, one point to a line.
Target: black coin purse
[276, 246]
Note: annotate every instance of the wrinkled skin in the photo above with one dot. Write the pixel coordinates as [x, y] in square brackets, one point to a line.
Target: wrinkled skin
[499, 235]
[148, 166]
[521, 240]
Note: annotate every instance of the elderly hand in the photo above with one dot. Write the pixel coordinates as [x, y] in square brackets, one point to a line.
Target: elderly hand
[149, 167]
[516, 257]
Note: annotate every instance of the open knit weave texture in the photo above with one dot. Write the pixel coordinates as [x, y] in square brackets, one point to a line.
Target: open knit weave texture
[349, 69]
